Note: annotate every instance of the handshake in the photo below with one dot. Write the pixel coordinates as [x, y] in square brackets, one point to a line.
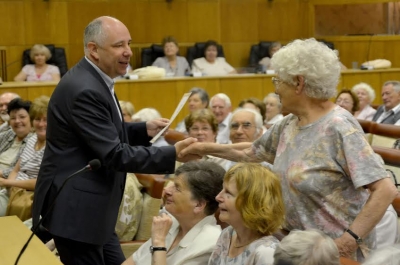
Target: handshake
[188, 149]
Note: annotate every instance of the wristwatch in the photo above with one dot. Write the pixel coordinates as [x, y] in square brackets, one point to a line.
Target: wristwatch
[152, 249]
[356, 237]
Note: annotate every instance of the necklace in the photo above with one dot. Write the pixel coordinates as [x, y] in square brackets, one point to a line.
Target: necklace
[241, 245]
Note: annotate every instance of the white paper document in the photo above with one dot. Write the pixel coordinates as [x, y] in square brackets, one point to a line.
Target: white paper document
[176, 112]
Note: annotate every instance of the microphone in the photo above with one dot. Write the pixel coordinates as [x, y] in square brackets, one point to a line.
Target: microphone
[91, 166]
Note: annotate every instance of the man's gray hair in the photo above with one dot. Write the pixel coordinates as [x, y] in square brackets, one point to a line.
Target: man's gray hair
[273, 95]
[257, 118]
[396, 85]
[94, 33]
[222, 96]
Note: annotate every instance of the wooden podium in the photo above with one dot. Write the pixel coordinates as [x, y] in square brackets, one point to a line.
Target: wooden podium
[13, 236]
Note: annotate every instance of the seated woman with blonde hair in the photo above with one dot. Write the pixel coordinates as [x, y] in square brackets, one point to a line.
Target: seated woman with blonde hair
[366, 95]
[251, 203]
[40, 70]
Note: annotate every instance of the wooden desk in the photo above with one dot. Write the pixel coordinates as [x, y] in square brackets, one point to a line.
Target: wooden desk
[164, 94]
[14, 235]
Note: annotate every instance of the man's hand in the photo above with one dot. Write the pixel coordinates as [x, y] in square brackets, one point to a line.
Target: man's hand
[183, 145]
[346, 245]
[159, 229]
[155, 126]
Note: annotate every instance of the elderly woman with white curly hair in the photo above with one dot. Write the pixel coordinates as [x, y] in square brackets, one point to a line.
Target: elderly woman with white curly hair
[306, 247]
[319, 152]
[366, 95]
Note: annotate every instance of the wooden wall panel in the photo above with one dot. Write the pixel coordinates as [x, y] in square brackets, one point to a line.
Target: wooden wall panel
[238, 21]
[282, 20]
[11, 23]
[199, 28]
[237, 54]
[166, 19]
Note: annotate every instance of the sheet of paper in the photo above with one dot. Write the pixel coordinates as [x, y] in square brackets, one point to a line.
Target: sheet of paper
[176, 112]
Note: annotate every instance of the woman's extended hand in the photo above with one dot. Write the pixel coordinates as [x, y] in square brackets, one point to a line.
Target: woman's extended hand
[159, 229]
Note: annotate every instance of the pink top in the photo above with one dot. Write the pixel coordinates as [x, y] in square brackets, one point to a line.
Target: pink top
[31, 75]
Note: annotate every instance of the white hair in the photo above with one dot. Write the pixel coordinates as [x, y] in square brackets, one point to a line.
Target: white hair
[257, 118]
[222, 96]
[370, 91]
[396, 85]
[311, 247]
[146, 114]
[385, 256]
[316, 62]
[276, 96]
[127, 106]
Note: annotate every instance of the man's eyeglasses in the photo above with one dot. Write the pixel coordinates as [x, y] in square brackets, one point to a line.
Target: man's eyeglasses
[245, 126]
[276, 81]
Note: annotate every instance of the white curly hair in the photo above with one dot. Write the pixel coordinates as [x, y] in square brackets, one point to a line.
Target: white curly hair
[318, 64]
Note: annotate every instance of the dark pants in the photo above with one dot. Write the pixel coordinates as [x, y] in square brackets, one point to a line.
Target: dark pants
[78, 253]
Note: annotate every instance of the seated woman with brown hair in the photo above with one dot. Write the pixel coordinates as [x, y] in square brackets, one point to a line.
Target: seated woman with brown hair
[251, 203]
[190, 237]
[173, 64]
[25, 172]
[13, 141]
[348, 100]
[40, 70]
[211, 64]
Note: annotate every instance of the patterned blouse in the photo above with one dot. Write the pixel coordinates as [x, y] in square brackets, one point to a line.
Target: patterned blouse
[323, 168]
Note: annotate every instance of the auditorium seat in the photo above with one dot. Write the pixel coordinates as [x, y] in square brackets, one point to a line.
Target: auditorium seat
[197, 51]
[150, 54]
[58, 58]
[259, 51]
[153, 186]
[172, 136]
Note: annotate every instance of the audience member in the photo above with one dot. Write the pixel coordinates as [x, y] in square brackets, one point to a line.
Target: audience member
[272, 49]
[202, 125]
[25, 172]
[210, 64]
[384, 256]
[173, 64]
[5, 98]
[245, 126]
[257, 105]
[198, 100]
[190, 237]
[13, 141]
[40, 70]
[148, 114]
[319, 152]
[365, 94]
[311, 247]
[273, 109]
[389, 112]
[127, 110]
[221, 107]
[251, 203]
[348, 100]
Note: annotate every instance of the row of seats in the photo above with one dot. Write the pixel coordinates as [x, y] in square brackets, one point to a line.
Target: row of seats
[257, 52]
[150, 54]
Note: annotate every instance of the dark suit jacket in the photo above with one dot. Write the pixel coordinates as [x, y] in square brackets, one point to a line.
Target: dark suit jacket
[84, 124]
[392, 119]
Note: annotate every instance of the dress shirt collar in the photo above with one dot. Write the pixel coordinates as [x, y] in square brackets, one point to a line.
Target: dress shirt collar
[108, 80]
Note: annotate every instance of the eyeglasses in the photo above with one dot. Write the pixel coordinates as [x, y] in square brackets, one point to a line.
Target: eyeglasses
[343, 101]
[245, 126]
[196, 129]
[276, 81]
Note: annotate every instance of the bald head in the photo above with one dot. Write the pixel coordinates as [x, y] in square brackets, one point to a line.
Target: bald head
[5, 98]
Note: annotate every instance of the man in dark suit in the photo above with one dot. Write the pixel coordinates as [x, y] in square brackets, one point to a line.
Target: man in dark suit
[389, 112]
[85, 123]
